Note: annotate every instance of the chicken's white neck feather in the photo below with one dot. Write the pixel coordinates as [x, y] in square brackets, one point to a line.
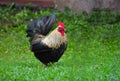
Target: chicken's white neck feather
[54, 39]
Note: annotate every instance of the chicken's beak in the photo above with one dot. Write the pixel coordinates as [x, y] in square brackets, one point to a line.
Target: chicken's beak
[65, 30]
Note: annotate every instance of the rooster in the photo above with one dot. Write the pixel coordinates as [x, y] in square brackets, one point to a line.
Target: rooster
[47, 48]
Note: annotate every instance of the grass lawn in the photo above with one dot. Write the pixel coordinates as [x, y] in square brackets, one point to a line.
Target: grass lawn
[93, 52]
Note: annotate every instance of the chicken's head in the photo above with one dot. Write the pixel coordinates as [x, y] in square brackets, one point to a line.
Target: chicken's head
[61, 28]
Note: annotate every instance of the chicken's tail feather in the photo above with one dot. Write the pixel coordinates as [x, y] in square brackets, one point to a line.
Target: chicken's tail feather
[40, 26]
[49, 23]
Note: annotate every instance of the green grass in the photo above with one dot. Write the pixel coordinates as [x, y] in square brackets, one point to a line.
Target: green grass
[93, 52]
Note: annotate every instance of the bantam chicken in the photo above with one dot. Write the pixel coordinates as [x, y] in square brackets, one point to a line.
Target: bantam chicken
[47, 49]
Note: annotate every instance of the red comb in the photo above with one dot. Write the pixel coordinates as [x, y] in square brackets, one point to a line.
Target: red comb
[61, 24]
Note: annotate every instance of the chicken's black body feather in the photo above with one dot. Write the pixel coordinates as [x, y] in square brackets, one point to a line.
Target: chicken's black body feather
[46, 54]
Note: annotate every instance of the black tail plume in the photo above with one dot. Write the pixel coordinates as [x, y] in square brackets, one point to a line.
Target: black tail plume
[40, 26]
